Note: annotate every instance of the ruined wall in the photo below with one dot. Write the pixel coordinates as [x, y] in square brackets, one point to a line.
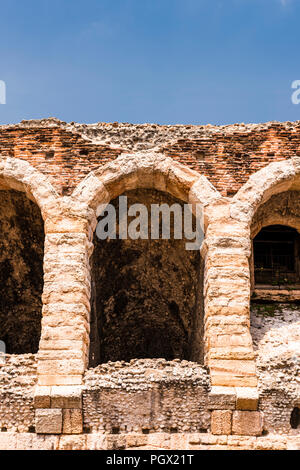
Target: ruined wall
[21, 272]
[49, 161]
[227, 155]
[147, 294]
[18, 377]
[275, 330]
[146, 396]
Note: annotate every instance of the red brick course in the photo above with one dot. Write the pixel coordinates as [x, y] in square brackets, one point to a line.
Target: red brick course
[227, 155]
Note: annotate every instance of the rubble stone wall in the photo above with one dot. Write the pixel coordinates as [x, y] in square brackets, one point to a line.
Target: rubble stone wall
[146, 396]
[18, 378]
[275, 329]
[244, 177]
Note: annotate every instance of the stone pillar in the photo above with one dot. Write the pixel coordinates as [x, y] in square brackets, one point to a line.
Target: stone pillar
[228, 343]
[63, 351]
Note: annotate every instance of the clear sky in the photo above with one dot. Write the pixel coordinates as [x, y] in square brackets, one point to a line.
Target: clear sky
[158, 61]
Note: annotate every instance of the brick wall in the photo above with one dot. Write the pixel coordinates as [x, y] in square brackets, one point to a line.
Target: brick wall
[227, 155]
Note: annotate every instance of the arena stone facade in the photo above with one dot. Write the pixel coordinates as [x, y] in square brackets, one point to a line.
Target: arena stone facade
[240, 387]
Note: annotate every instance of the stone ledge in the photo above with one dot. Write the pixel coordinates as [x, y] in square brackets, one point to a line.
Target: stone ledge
[153, 441]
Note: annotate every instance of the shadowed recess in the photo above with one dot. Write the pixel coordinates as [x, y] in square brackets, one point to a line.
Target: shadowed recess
[146, 295]
[21, 272]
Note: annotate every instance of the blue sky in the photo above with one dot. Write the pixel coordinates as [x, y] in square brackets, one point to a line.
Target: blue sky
[162, 61]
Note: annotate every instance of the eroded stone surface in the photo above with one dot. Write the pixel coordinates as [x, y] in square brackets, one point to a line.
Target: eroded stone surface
[166, 404]
[275, 331]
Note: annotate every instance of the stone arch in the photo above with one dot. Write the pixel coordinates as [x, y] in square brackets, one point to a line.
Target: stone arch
[144, 172]
[275, 242]
[19, 175]
[24, 195]
[292, 222]
[275, 178]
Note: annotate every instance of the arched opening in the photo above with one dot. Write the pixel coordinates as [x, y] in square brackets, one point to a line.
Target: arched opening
[295, 418]
[21, 272]
[276, 242]
[276, 256]
[146, 294]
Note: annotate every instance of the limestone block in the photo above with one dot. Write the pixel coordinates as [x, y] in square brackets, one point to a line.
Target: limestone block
[65, 332]
[232, 380]
[24, 441]
[203, 191]
[241, 442]
[238, 319]
[136, 440]
[60, 379]
[230, 352]
[91, 191]
[247, 423]
[96, 442]
[61, 367]
[68, 272]
[60, 345]
[116, 442]
[42, 397]
[247, 398]
[81, 296]
[179, 441]
[222, 398]
[72, 421]
[66, 225]
[65, 355]
[44, 442]
[218, 213]
[8, 440]
[221, 422]
[159, 439]
[65, 310]
[180, 180]
[66, 397]
[65, 320]
[48, 421]
[72, 442]
[242, 368]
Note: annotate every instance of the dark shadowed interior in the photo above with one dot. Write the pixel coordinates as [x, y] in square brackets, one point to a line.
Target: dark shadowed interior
[21, 272]
[145, 295]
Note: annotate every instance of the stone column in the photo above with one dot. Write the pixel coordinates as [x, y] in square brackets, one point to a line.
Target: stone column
[228, 343]
[63, 351]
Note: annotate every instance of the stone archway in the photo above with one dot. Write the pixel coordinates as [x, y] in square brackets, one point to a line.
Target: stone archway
[149, 171]
[267, 209]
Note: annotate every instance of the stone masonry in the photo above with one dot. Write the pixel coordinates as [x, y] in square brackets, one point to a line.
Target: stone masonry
[115, 345]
